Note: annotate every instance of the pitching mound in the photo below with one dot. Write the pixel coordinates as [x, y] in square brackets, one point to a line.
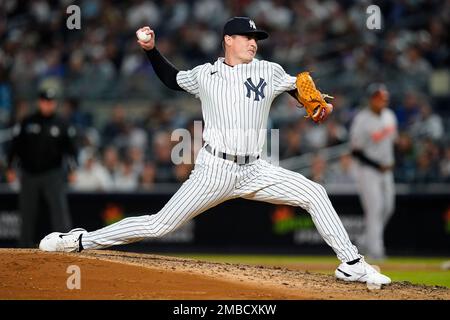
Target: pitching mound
[31, 274]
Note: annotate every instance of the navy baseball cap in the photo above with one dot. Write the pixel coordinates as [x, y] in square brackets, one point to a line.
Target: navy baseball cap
[243, 26]
[47, 94]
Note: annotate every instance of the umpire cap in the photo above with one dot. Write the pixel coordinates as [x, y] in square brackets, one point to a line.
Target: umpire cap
[243, 26]
[47, 94]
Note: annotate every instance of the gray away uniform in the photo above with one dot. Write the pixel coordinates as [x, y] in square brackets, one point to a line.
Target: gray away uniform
[373, 136]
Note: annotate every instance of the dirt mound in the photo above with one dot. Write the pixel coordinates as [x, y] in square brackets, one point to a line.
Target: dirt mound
[31, 274]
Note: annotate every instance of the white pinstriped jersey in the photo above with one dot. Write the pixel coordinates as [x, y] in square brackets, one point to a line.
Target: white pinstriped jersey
[236, 101]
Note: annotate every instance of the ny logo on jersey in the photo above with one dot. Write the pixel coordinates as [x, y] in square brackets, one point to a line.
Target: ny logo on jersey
[252, 24]
[258, 90]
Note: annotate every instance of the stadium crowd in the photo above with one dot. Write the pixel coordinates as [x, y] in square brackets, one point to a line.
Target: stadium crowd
[102, 64]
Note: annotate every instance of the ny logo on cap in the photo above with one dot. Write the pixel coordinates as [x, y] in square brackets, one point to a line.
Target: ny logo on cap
[252, 24]
[258, 90]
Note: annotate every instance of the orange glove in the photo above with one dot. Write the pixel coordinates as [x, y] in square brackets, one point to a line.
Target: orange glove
[312, 99]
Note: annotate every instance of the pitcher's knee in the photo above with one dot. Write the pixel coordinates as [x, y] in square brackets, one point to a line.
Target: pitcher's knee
[321, 190]
[318, 199]
[163, 229]
[157, 227]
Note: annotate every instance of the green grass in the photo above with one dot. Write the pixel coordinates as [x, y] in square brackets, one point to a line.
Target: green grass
[433, 278]
[416, 270]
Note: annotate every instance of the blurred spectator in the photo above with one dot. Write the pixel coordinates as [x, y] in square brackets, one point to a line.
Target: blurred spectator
[431, 148]
[21, 110]
[336, 133]
[415, 67]
[135, 156]
[445, 166]
[137, 140]
[318, 169]
[408, 110]
[126, 179]
[72, 113]
[211, 12]
[426, 171]
[174, 13]
[92, 176]
[285, 109]
[115, 129]
[101, 64]
[342, 172]
[6, 101]
[76, 81]
[405, 157]
[162, 157]
[111, 161]
[427, 124]
[292, 141]
[316, 136]
[101, 73]
[147, 178]
[89, 141]
[342, 111]
[141, 12]
[159, 117]
[275, 13]
[3, 178]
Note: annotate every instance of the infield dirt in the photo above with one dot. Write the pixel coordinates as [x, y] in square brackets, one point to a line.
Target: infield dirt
[32, 274]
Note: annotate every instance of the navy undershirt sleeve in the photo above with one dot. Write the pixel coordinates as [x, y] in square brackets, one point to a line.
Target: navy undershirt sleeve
[165, 71]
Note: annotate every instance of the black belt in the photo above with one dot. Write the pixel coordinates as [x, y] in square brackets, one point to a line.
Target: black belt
[235, 158]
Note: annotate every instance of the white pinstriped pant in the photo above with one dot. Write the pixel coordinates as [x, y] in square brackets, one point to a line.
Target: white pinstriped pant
[215, 180]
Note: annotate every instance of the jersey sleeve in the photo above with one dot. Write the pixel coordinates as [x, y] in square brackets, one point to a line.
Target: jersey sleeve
[281, 80]
[189, 80]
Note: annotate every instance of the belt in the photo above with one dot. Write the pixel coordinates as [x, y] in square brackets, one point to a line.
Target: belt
[235, 158]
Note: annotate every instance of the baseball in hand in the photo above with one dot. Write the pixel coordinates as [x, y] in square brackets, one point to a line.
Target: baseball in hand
[144, 37]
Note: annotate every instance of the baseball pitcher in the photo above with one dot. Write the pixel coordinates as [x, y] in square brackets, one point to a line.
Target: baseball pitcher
[236, 93]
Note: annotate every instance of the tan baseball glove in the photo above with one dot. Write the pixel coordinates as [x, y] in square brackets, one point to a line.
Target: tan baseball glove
[312, 99]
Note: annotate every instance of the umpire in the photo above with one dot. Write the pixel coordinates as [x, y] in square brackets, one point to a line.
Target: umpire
[40, 143]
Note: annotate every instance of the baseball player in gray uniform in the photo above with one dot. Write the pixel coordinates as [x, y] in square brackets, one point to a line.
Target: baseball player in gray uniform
[236, 93]
[372, 136]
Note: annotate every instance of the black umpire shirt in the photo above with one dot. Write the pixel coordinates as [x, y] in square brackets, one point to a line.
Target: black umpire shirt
[41, 143]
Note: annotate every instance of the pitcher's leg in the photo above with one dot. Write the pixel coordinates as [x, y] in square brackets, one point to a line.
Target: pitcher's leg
[201, 192]
[293, 189]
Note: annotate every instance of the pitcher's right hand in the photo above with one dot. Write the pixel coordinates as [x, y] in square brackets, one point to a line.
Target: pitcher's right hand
[149, 45]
